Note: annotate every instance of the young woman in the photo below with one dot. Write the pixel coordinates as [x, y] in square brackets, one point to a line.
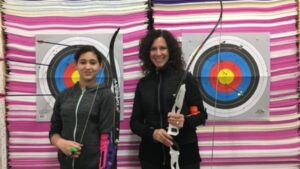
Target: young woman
[163, 67]
[81, 114]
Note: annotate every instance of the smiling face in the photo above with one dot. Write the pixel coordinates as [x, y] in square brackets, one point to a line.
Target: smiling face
[88, 67]
[159, 53]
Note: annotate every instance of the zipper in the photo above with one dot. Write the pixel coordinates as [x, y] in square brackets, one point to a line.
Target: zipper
[160, 113]
[76, 122]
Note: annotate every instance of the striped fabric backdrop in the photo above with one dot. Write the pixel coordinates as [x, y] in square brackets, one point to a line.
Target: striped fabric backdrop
[3, 134]
[235, 145]
[28, 143]
[272, 144]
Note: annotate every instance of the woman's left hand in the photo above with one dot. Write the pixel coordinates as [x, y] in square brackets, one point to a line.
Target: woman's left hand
[176, 119]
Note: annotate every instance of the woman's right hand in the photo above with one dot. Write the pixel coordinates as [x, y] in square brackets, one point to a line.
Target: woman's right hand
[163, 137]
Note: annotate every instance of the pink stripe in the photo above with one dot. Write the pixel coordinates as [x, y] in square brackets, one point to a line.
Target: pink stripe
[282, 39]
[254, 160]
[282, 63]
[284, 84]
[237, 123]
[270, 135]
[129, 103]
[22, 161]
[132, 36]
[272, 30]
[130, 87]
[22, 60]
[131, 49]
[26, 145]
[69, 27]
[283, 47]
[20, 116]
[227, 22]
[287, 103]
[75, 20]
[131, 147]
[132, 69]
[129, 158]
[130, 58]
[18, 85]
[283, 95]
[249, 147]
[131, 82]
[129, 90]
[12, 38]
[130, 164]
[15, 150]
[27, 87]
[11, 103]
[287, 71]
[26, 136]
[36, 166]
[16, 111]
[11, 51]
[284, 59]
[225, 10]
[20, 38]
[24, 72]
[284, 112]
[28, 126]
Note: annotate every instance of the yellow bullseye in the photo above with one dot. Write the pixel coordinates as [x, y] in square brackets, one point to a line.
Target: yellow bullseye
[75, 77]
[225, 76]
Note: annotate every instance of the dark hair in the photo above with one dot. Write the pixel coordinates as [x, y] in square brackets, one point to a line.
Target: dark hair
[88, 48]
[175, 53]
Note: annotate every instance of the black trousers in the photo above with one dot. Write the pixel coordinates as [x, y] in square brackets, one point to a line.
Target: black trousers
[146, 165]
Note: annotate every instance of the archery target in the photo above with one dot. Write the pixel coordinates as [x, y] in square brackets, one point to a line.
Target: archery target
[63, 73]
[233, 78]
[60, 73]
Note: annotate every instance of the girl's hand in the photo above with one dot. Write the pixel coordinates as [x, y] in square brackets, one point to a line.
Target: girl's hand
[69, 148]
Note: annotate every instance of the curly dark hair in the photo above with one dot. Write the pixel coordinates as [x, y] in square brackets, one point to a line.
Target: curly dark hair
[175, 53]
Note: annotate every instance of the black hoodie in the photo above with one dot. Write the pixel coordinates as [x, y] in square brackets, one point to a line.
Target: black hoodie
[67, 122]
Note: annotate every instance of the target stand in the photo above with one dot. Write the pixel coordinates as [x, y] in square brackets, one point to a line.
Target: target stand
[57, 70]
[233, 73]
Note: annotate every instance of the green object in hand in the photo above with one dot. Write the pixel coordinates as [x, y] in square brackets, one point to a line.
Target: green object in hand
[73, 150]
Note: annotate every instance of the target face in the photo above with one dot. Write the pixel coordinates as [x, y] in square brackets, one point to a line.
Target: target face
[61, 73]
[232, 76]
[229, 76]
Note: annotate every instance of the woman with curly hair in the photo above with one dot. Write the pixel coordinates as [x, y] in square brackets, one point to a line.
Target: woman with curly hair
[163, 67]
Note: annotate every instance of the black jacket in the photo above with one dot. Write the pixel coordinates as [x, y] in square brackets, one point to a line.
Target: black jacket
[154, 98]
[66, 121]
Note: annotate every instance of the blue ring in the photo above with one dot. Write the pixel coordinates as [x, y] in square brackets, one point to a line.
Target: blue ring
[225, 56]
[61, 68]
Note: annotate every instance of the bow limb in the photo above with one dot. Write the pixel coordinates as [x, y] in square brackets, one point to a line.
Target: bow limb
[108, 148]
[213, 132]
[207, 37]
[116, 88]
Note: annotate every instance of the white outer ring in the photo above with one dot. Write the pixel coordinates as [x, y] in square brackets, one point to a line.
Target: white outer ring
[42, 73]
[262, 68]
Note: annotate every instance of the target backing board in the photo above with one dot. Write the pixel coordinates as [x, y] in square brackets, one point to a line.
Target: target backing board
[233, 72]
[56, 69]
